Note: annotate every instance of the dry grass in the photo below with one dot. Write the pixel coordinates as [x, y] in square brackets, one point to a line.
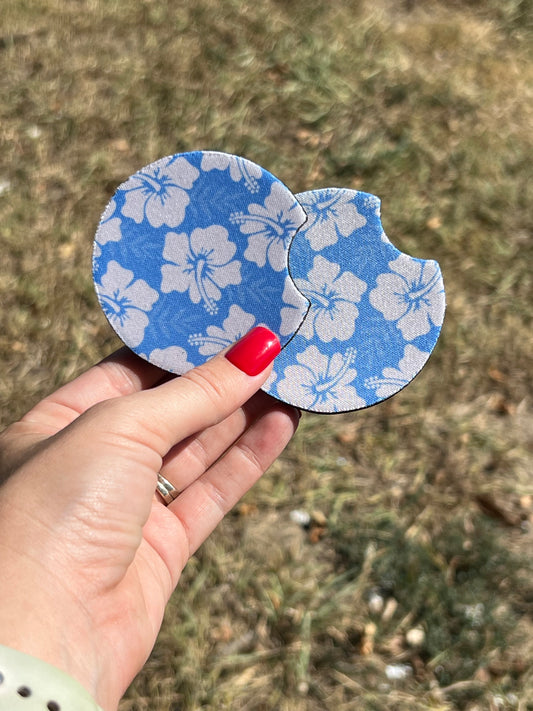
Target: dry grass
[424, 502]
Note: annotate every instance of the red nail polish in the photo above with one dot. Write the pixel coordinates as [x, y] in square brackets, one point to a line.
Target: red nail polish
[254, 351]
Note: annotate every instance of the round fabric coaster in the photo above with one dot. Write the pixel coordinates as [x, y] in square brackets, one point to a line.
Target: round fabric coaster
[192, 252]
[375, 313]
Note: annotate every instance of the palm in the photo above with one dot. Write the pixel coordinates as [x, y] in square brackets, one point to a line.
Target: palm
[129, 549]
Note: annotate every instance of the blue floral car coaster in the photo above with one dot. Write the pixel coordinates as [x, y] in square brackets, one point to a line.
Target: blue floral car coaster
[192, 252]
[375, 313]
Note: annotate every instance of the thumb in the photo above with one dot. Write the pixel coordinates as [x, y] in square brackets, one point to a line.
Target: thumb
[163, 416]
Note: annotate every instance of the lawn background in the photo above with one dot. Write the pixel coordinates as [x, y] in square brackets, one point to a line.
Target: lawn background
[419, 548]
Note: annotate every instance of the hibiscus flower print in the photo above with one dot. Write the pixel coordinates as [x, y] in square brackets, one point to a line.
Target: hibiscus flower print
[372, 202]
[202, 264]
[270, 227]
[320, 382]
[394, 379]
[236, 325]
[108, 229]
[158, 193]
[126, 301]
[332, 214]
[294, 309]
[412, 295]
[333, 295]
[173, 359]
[239, 168]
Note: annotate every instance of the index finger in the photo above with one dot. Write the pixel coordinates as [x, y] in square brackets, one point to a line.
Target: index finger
[161, 417]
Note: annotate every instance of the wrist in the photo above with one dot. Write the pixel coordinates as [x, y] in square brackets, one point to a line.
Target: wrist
[40, 619]
[29, 683]
[33, 627]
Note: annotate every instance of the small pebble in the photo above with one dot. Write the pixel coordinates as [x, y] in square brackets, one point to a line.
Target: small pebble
[475, 614]
[398, 672]
[302, 518]
[303, 688]
[34, 132]
[415, 637]
[375, 603]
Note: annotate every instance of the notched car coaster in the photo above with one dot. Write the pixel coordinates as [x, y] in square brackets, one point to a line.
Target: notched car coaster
[196, 249]
[192, 252]
[375, 313]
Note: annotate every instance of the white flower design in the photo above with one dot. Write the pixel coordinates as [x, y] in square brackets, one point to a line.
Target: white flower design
[413, 295]
[109, 227]
[321, 383]
[333, 296]
[158, 192]
[125, 302]
[202, 265]
[332, 213]
[294, 310]
[270, 228]
[173, 359]
[239, 168]
[372, 202]
[394, 379]
[269, 383]
[215, 339]
[109, 231]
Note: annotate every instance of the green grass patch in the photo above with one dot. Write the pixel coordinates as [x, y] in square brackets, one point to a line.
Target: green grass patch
[425, 500]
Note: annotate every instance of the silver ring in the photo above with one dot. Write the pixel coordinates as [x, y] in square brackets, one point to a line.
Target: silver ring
[167, 492]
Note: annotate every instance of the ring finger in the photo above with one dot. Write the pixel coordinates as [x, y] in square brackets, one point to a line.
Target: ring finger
[191, 458]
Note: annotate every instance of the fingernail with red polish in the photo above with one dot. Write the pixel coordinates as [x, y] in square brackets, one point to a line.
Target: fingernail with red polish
[254, 351]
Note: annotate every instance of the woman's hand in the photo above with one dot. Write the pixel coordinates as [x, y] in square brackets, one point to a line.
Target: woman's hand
[89, 555]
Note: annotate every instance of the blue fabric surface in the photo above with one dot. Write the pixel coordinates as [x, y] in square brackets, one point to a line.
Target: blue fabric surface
[196, 249]
[192, 252]
[375, 313]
